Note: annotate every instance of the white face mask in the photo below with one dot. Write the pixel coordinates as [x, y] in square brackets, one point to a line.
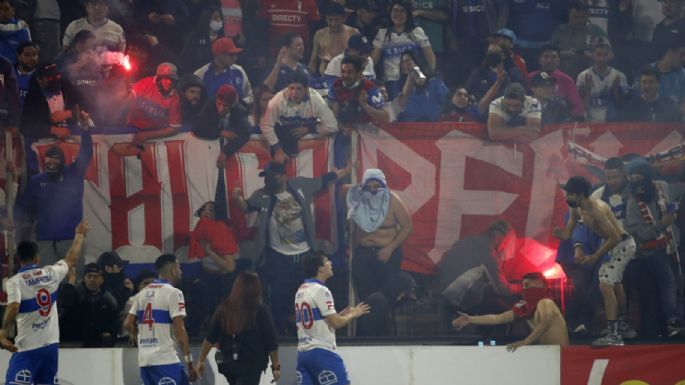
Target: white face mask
[216, 25]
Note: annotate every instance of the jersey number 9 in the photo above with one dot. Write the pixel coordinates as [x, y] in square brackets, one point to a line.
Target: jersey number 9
[44, 302]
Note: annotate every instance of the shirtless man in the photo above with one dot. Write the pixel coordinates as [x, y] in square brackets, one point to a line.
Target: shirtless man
[537, 308]
[330, 41]
[620, 246]
[382, 224]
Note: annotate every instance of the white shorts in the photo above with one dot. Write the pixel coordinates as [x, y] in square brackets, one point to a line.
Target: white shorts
[611, 271]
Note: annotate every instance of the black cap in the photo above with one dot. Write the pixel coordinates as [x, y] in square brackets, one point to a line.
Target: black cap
[359, 43]
[111, 258]
[577, 185]
[273, 167]
[335, 9]
[92, 268]
[164, 260]
[542, 78]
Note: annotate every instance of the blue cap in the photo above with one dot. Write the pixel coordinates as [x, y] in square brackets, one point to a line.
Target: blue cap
[506, 32]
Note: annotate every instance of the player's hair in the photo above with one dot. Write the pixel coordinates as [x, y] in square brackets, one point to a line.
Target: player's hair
[356, 63]
[21, 47]
[238, 312]
[311, 263]
[163, 261]
[27, 251]
[535, 276]
[614, 163]
[299, 77]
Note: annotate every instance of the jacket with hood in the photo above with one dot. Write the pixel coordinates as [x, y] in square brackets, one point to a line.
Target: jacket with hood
[209, 126]
[35, 120]
[381, 321]
[190, 113]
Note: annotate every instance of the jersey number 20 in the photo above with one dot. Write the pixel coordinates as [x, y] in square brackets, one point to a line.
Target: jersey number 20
[304, 314]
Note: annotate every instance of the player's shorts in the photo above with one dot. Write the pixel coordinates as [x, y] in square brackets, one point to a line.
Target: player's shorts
[611, 271]
[321, 367]
[33, 367]
[172, 374]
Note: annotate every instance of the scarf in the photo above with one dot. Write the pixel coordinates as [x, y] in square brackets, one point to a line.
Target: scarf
[667, 236]
[531, 296]
[369, 210]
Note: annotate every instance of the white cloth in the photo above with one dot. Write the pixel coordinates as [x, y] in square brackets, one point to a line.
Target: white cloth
[369, 210]
[531, 109]
[313, 302]
[286, 229]
[600, 95]
[109, 33]
[35, 290]
[155, 307]
[394, 45]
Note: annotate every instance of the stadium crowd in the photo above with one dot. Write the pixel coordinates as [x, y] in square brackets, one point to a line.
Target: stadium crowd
[283, 69]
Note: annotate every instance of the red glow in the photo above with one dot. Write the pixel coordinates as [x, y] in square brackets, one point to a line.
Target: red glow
[555, 272]
[125, 62]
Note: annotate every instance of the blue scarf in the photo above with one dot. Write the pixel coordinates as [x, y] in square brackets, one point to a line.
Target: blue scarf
[368, 210]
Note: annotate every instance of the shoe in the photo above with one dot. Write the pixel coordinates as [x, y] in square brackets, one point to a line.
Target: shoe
[675, 328]
[626, 330]
[608, 340]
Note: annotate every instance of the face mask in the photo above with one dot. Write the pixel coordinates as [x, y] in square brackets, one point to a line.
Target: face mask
[216, 25]
[370, 193]
[531, 297]
[572, 204]
[493, 59]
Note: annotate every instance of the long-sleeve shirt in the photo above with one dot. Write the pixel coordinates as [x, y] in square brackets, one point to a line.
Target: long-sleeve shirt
[566, 90]
[284, 114]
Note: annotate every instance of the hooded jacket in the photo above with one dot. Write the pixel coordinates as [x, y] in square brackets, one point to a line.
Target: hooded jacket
[35, 116]
[209, 126]
[381, 321]
[190, 113]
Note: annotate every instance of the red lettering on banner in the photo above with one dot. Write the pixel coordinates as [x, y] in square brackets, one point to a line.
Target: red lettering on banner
[650, 364]
[179, 192]
[122, 204]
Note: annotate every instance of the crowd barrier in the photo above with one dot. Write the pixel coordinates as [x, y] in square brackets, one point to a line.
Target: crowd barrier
[421, 365]
[452, 178]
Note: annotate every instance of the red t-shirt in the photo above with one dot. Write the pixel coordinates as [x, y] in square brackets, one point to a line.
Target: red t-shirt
[348, 100]
[152, 111]
[217, 233]
[285, 16]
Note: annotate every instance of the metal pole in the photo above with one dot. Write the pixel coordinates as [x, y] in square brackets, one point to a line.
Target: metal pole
[351, 238]
[10, 194]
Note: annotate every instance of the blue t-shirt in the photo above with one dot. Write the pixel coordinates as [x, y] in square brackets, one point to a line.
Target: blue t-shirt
[535, 20]
[23, 84]
[425, 104]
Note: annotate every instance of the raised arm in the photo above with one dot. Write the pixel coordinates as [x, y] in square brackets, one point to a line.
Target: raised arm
[74, 251]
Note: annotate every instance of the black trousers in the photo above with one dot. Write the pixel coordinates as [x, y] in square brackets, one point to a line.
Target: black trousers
[369, 274]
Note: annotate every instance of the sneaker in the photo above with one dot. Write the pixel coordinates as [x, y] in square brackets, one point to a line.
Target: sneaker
[626, 330]
[675, 328]
[608, 340]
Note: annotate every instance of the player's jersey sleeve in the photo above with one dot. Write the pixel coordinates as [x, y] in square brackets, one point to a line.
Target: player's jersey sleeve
[323, 299]
[13, 291]
[177, 305]
[59, 270]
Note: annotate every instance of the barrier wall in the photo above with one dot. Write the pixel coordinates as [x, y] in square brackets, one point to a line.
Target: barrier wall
[377, 365]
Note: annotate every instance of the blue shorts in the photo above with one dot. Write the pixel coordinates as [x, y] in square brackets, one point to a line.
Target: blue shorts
[33, 367]
[172, 374]
[321, 367]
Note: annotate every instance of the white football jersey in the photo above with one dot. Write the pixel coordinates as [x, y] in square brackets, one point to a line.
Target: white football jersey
[600, 95]
[155, 307]
[35, 290]
[313, 302]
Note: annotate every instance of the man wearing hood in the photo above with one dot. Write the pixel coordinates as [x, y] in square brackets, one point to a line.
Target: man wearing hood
[224, 119]
[113, 278]
[537, 308]
[285, 233]
[619, 245]
[381, 320]
[54, 198]
[155, 107]
[193, 96]
[650, 217]
[382, 223]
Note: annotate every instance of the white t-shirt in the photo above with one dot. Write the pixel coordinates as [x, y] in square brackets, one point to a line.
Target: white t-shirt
[109, 33]
[600, 96]
[35, 290]
[333, 67]
[286, 228]
[313, 302]
[155, 307]
[394, 45]
[531, 109]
